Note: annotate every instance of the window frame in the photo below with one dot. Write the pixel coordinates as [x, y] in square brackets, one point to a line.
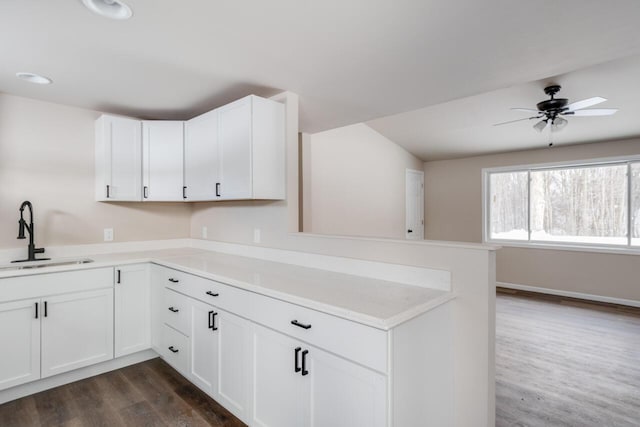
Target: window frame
[571, 246]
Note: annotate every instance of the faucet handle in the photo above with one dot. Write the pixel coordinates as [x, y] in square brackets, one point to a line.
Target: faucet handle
[38, 251]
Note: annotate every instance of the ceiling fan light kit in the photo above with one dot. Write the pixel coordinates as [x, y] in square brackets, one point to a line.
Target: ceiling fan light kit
[552, 110]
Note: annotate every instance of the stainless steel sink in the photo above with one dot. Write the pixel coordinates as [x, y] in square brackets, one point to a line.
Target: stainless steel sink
[47, 263]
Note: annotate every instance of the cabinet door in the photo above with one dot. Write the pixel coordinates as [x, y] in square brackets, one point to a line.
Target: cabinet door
[281, 395]
[201, 157]
[233, 387]
[344, 394]
[118, 159]
[234, 139]
[132, 309]
[77, 331]
[204, 346]
[162, 153]
[20, 338]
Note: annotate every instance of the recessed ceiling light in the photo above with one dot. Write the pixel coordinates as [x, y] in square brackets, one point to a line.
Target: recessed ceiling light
[114, 9]
[34, 78]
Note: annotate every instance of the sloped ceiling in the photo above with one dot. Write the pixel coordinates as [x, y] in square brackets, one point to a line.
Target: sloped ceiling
[464, 127]
[350, 61]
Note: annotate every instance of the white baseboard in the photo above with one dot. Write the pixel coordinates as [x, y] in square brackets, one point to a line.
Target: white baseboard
[579, 295]
[79, 374]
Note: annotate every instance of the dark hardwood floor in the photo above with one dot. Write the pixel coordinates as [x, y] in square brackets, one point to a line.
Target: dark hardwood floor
[566, 362]
[146, 394]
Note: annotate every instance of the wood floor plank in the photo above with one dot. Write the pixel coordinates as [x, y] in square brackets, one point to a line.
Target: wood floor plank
[562, 362]
[146, 394]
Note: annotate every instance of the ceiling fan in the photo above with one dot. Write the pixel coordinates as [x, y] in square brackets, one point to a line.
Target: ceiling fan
[552, 111]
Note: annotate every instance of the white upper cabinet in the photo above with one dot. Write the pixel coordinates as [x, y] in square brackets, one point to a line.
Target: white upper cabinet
[236, 152]
[118, 155]
[201, 157]
[162, 161]
[251, 147]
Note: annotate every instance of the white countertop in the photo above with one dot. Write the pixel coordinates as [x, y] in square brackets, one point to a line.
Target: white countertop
[377, 303]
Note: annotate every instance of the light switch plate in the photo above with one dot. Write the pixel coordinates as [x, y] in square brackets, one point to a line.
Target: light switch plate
[108, 234]
[204, 231]
[256, 235]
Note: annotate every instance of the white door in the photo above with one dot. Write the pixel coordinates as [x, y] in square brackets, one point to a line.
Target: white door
[344, 394]
[77, 331]
[233, 388]
[414, 197]
[162, 153]
[123, 165]
[234, 138]
[204, 346]
[201, 157]
[20, 338]
[132, 309]
[280, 396]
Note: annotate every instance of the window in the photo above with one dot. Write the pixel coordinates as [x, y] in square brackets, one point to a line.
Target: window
[595, 205]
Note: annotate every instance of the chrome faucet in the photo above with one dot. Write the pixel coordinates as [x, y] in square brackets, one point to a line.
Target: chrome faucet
[22, 225]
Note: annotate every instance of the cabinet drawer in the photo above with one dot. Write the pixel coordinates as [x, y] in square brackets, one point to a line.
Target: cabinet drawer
[215, 293]
[360, 343]
[175, 349]
[176, 311]
[39, 285]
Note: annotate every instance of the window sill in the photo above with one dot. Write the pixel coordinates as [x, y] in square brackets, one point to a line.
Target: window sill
[566, 247]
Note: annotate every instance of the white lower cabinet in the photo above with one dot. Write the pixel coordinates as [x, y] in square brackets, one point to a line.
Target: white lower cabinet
[77, 331]
[221, 356]
[132, 309]
[20, 338]
[299, 385]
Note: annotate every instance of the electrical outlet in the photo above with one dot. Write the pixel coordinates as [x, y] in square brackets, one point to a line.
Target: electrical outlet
[256, 235]
[108, 234]
[204, 231]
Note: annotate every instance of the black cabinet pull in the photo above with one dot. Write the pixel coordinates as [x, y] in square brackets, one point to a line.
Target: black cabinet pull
[217, 189]
[45, 309]
[300, 325]
[409, 231]
[213, 322]
[173, 350]
[174, 310]
[211, 319]
[145, 192]
[212, 294]
[304, 363]
[36, 310]
[107, 191]
[118, 276]
[296, 352]
[172, 280]
[184, 192]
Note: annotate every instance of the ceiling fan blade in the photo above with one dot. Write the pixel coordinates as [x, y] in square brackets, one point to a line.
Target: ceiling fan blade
[527, 110]
[517, 120]
[592, 112]
[585, 103]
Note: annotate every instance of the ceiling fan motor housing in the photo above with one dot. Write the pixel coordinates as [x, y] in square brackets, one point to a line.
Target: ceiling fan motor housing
[552, 104]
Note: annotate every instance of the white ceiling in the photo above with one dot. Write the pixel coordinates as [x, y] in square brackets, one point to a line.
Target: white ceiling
[464, 127]
[350, 61]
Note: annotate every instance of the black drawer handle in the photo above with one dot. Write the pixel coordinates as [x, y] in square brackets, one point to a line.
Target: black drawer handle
[296, 354]
[212, 294]
[300, 325]
[217, 189]
[173, 350]
[36, 310]
[172, 280]
[304, 363]
[174, 310]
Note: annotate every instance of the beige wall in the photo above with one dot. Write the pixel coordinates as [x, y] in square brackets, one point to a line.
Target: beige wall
[453, 211]
[46, 156]
[354, 183]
